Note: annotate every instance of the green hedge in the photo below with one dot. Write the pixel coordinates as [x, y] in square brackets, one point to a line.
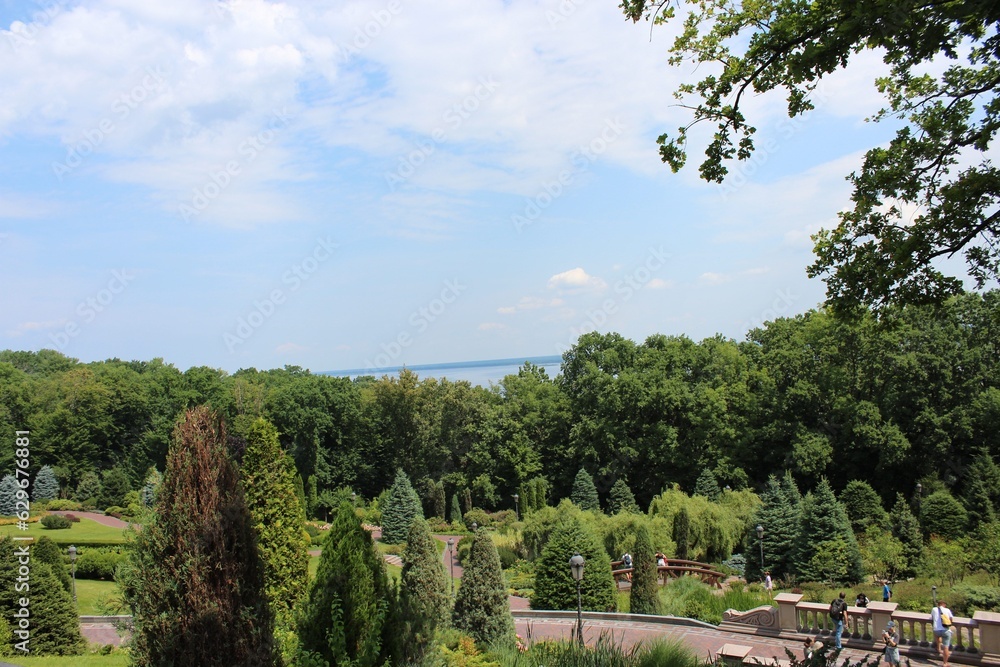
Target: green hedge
[98, 563]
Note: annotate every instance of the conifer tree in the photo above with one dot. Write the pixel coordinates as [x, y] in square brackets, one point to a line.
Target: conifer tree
[46, 486]
[8, 496]
[345, 619]
[89, 487]
[644, 598]
[300, 490]
[402, 506]
[942, 515]
[312, 497]
[682, 532]
[481, 606]
[707, 486]
[864, 507]
[439, 499]
[621, 499]
[466, 500]
[278, 517]
[150, 487]
[584, 494]
[977, 502]
[555, 587]
[455, 515]
[194, 579]
[46, 551]
[906, 529]
[114, 485]
[826, 549]
[780, 521]
[55, 625]
[424, 600]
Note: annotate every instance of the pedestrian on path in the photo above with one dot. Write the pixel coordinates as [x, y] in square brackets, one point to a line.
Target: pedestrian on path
[891, 639]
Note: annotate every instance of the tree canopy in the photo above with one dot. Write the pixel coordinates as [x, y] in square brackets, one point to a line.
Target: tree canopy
[938, 163]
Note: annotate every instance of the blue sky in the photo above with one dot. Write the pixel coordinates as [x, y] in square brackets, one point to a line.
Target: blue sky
[377, 183]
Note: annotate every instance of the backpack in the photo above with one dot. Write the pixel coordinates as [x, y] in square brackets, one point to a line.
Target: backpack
[837, 609]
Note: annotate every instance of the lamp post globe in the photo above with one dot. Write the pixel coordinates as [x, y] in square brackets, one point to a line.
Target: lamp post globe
[760, 537]
[576, 564]
[517, 514]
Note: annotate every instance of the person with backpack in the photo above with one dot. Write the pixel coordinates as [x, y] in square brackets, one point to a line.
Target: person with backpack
[941, 623]
[838, 612]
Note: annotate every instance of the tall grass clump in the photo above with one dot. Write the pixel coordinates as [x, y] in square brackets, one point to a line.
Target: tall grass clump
[691, 598]
[605, 653]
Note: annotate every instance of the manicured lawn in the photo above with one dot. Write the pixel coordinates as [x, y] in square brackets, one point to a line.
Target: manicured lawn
[89, 594]
[119, 659]
[87, 531]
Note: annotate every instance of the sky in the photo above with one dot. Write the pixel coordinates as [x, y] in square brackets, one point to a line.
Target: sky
[368, 184]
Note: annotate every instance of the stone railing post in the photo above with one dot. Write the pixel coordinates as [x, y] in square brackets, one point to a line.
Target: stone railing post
[881, 615]
[788, 618]
[989, 635]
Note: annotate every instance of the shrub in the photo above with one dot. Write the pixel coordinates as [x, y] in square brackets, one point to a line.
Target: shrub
[965, 599]
[115, 511]
[72, 518]
[63, 505]
[507, 557]
[55, 522]
[480, 517]
[98, 564]
[736, 565]
[312, 530]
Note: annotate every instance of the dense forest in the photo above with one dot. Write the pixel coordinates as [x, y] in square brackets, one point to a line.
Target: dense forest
[913, 396]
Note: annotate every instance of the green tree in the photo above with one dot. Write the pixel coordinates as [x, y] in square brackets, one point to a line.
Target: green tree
[8, 495]
[455, 513]
[194, 579]
[707, 486]
[938, 162]
[584, 493]
[778, 515]
[826, 549]
[986, 551]
[944, 561]
[55, 627]
[977, 502]
[644, 597]
[278, 517]
[882, 554]
[89, 487]
[555, 587]
[47, 551]
[620, 499]
[401, 508]
[481, 606]
[906, 529]
[46, 486]
[345, 619]
[312, 497]
[424, 600]
[942, 515]
[114, 485]
[150, 487]
[864, 507]
[682, 532]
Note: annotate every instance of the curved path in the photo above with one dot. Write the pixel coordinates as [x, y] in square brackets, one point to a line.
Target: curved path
[102, 519]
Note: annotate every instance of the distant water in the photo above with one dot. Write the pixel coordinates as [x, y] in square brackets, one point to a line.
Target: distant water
[476, 372]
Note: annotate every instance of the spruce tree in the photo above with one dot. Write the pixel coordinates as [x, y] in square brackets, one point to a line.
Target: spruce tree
[621, 499]
[55, 626]
[555, 587]
[644, 598]
[707, 486]
[150, 487]
[194, 579]
[89, 487]
[780, 520]
[439, 500]
[682, 532]
[46, 486]
[46, 551]
[424, 600]
[978, 505]
[114, 485]
[344, 621]
[826, 548]
[402, 506]
[942, 515]
[278, 517]
[584, 494]
[864, 507]
[8, 496]
[906, 529]
[481, 606]
[456, 512]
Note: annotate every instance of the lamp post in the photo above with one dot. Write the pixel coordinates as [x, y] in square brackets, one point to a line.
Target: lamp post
[920, 496]
[354, 499]
[760, 536]
[517, 515]
[451, 560]
[934, 594]
[72, 560]
[576, 564]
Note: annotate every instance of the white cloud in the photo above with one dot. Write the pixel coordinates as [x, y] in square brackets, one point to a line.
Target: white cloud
[576, 280]
[530, 303]
[25, 327]
[659, 283]
[710, 278]
[491, 326]
[286, 348]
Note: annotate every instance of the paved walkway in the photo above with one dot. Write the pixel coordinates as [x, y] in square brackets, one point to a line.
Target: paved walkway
[102, 519]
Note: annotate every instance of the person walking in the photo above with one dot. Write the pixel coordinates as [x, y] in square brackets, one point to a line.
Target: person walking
[886, 591]
[891, 639]
[768, 583]
[941, 622]
[838, 612]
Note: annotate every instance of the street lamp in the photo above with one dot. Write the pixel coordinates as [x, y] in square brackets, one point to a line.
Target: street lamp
[934, 594]
[72, 560]
[576, 564]
[920, 495]
[760, 536]
[517, 516]
[354, 499]
[475, 526]
[451, 560]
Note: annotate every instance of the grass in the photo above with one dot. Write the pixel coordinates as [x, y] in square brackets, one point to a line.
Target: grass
[118, 659]
[605, 653]
[87, 531]
[90, 594]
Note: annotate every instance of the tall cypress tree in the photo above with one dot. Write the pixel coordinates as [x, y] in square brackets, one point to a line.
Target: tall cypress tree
[826, 548]
[682, 532]
[46, 486]
[455, 515]
[278, 516]
[555, 587]
[423, 597]
[644, 597]
[584, 494]
[481, 606]
[780, 520]
[707, 486]
[621, 498]
[194, 579]
[402, 506]
[439, 499]
[345, 619]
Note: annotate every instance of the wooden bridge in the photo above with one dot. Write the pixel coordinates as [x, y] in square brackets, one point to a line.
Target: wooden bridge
[674, 569]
